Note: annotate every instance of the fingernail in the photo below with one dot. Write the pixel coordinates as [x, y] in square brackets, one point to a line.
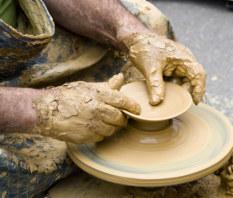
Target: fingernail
[137, 109]
[155, 100]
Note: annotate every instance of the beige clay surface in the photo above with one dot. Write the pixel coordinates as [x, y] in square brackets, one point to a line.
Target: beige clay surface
[171, 58]
[174, 94]
[83, 112]
[195, 144]
[158, 153]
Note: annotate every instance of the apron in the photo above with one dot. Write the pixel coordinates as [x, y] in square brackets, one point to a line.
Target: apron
[8, 11]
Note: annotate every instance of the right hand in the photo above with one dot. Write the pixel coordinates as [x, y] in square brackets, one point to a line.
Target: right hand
[82, 112]
[156, 56]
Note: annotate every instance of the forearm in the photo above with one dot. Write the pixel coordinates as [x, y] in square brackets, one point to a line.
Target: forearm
[16, 109]
[106, 21]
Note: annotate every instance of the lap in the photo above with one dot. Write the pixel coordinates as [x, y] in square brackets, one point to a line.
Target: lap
[29, 164]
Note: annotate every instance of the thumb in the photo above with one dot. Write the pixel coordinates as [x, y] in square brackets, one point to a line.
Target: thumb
[155, 86]
[116, 81]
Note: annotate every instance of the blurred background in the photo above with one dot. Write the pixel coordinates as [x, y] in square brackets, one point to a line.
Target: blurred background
[206, 27]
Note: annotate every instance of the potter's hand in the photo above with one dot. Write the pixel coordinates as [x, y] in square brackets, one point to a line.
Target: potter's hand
[156, 56]
[82, 112]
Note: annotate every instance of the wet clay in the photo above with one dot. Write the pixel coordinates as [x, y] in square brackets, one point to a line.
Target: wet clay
[82, 112]
[193, 145]
[174, 94]
[172, 59]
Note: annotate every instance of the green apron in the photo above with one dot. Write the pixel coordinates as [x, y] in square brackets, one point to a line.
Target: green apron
[8, 11]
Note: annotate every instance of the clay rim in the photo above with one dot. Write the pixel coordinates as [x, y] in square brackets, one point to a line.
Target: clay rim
[178, 177]
[187, 98]
[149, 182]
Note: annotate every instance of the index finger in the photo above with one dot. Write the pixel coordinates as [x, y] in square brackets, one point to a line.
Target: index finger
[119, 100]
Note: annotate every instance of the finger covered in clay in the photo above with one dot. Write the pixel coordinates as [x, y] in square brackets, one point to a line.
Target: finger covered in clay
[155, 56]
[81, 112]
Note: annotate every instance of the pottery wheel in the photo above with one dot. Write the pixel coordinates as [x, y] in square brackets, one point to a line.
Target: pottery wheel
[157, 150]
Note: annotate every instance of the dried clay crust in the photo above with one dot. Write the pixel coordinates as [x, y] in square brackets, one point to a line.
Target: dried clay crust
[82, 112]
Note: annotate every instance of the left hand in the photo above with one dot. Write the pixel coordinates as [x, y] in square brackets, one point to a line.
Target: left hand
[83, 112]
[156, 56]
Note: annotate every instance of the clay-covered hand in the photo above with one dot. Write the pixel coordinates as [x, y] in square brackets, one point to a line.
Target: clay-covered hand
[82, 112]
[156, 56]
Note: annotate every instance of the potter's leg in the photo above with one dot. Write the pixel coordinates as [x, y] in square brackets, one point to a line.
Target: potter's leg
[29, 164]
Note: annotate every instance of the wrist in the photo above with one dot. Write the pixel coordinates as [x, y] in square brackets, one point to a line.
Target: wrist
[42, 107]
[127, 27]
[16, 109]
[29, 118]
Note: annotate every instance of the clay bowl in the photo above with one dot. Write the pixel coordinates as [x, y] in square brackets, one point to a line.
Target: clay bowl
[157, 149]
[177, 101]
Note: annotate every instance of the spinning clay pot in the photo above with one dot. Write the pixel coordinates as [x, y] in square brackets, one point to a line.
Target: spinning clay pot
[172, 143]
